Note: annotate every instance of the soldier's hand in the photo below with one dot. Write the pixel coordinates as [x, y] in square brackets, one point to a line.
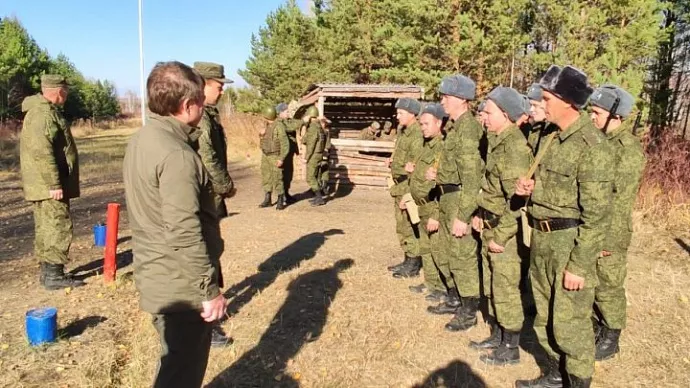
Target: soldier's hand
[460, 229]
[430, 174]
[573, 282]
[409, 167]
[432, 225]
[279, 163]
[477, 224]
[524, 187]
[495, 248]
[402, 205]
[605, 253]
[56, 194]
[214, 310]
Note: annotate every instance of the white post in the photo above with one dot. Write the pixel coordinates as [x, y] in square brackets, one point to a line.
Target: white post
[142, 87]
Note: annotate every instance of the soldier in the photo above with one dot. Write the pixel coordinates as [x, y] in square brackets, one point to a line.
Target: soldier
[389, 132]
[458, 179]
[175, 226]
[291, 127]
[372, 132]
[611, 105]
[569, 208]
[50, 178]
[508, 159]
[275, 147]
[424, 194]
[323, 171]
[315, 142]
[537, 118]
[481, 114]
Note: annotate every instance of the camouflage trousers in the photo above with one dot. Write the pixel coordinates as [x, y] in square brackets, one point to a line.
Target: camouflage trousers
[609, 295]
[501, 274]
[432, 275]
[271, 176]
[569, 312]
[53, 231]
[314, 173]
[456, 257]
[408, 234]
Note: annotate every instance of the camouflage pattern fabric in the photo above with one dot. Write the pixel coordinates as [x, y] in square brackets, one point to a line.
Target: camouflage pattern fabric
[275, 146]
[315, 144]
[53, 228]
[212, 149]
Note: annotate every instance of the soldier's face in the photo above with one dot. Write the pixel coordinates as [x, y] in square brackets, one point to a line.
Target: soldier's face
[554, 107]
[62, 96]
[451, 104]
[212, 91]
[431, 126]
[599, 117]
[283, 114]
[536, 111]
[404, 117]
[496, 119]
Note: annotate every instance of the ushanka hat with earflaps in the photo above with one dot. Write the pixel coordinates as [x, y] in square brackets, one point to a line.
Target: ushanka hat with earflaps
[434, 109]
[509, 101]
[567, 83]
[458, 86]
[605, 97]
[409, 104]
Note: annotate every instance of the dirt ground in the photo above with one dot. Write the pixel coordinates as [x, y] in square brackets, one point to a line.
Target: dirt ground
[311, 302]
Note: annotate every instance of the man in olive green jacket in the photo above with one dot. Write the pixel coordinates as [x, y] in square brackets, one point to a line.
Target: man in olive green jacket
[291, 126]
[50, 178]
[175, 228]
[275, 147]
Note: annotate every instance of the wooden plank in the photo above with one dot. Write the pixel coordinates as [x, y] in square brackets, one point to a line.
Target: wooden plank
[345, 161]
[373, 94]
[357, 155]
[362, 143]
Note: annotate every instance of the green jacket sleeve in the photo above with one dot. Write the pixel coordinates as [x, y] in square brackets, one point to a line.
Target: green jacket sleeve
[470, 167]
[284, 142]
[220, 178]
[180, 180]
[517, 162]
[312, 138]
[43, 130]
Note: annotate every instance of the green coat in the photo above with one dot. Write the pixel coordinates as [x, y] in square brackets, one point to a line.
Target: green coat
[408, 147]
[508, 159]
[419, 186]
[48, 153]
[175, 227]
[275, 141]
[575, 180]
[315, 141]
[212, 148]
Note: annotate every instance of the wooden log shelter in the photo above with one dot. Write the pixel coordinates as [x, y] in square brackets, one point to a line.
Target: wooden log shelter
[351, 108]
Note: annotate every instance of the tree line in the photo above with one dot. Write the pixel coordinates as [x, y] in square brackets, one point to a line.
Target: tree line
[23, 61]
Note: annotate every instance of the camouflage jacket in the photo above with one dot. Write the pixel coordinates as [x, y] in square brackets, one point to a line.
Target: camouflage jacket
[575, 180]
[291, 126]
[628, 167]
[275, 141]
[212, 147]
[48, 153]
[420, 188]
[408, 147]
[315, 140]
[461, 164]
[508, 159]
[175, 227]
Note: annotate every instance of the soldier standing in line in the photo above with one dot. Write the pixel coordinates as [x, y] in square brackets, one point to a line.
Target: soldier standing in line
[315, 144]
[275, 147]
[50, 178]
[540, 128]
[458, 180]
[611, 105]
[508, 159]
[291, 127]
[569, 211]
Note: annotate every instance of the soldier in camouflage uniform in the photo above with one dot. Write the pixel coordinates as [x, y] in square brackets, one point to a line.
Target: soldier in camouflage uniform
[569, 211]
[458, 180]
[275, 147]
[372, 132]
[539, 127]
[50, 178]
[291, 127]
[315, 143]
[508, 159]
[424, 193]
[611, 106]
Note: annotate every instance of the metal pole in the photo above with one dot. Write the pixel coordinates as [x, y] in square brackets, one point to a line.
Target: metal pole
[142, 87]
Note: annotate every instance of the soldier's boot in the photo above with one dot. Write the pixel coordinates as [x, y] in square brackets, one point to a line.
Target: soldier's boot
[597, 326]
[399, 266]
[579, 382]
[218, 337]
[267, 201]
[326, 189]
[607, 344]
[436, 296]
[280, 205]
[550, 379]
[318, 199]
[466, 316]
[289, 199]
[507, 353]
[411, 270]
[449, 306]
[492, 341]
[55, 277]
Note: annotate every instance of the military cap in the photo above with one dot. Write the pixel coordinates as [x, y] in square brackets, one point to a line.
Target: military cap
[525, 104]
[282, 107]
[409, 104]
[605, 97]
[534, 92]
[567, 83]
[509, 101]
[53, 81]
[458, 86]
[210, 70]
[435, 110]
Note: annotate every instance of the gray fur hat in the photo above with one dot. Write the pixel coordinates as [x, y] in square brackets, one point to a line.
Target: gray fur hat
[605, 97]
[458, 86]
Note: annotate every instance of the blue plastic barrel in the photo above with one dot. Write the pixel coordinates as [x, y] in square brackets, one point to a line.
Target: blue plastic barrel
[41, 325]
[99, 235]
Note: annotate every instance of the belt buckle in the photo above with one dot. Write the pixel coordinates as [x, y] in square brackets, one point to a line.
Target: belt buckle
[545, 226]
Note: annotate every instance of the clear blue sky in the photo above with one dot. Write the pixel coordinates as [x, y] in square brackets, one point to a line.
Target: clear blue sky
[101, 36]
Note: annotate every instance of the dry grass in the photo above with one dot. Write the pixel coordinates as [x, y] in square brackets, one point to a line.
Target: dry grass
[242, 131]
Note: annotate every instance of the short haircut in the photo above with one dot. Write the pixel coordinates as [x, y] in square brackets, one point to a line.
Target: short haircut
[169, 84]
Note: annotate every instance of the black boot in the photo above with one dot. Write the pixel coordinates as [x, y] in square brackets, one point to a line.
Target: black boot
[267, 201]
[451, 304]
[218, 337]
[579, 382]
[54, 277]
[281, 202]
[289, 199]
[411, 270]
[465, 316]
[550, 379]
[318, 199]
[399, 266]
[607, 344]
[494, 338]
[436, 296]
[507, 353]
[597, 326]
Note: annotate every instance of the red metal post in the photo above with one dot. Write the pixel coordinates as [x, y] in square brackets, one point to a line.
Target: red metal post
[112, 221]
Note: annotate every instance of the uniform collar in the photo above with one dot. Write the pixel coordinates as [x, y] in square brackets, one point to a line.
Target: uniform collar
[625, 127]
[434, 141]
[580, 123]
[497, 139]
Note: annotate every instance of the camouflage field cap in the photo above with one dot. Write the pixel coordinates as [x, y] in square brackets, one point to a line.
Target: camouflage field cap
[53, 81]
[210, 70]
[435, 110]
[509, 101]
[605, 97]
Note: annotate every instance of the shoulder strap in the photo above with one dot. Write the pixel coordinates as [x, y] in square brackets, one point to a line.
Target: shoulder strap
[540, 155]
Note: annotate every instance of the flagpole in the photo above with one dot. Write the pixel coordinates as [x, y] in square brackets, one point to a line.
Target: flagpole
[142, 88]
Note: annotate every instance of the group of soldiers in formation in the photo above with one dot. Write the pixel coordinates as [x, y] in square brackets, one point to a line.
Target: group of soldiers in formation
[547, 190]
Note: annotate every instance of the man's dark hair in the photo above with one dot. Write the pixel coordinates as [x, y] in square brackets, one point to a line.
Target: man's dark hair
[169, 84]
